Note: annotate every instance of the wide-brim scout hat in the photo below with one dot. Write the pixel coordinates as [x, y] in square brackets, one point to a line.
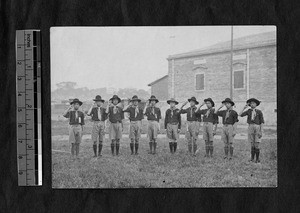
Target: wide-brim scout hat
[153, 98]
[193, 99]
[210, 100]
[228, 100]
[115, 97]
[76, 100]
[254, 100]
[172, 100]
[135, 98]
[98, 98]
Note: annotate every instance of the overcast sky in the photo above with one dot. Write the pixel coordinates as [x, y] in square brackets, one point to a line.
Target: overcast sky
[133, 57]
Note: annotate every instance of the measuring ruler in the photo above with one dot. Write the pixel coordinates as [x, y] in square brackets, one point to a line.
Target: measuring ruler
[28, 91]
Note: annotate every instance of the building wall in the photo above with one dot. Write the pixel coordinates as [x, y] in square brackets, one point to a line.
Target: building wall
[216, 69]
[160, 89]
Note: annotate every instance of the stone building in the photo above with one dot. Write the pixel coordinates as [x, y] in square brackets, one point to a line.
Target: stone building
[206, 73]
[159, 88]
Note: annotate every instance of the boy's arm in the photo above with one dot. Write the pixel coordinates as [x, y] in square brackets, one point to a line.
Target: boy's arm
[215, 122]
[166, 121]
[181, 110]
[198, 108]
[90, 110]
[67, 112]
[235, 124]
[262, 122]
[242, 113]
[179, 123]
[218, 112]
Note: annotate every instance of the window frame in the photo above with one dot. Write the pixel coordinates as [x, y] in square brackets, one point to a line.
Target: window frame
[244, 79]
[195, 84]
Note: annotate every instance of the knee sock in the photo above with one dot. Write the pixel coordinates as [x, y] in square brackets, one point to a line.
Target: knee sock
[175, 146]
[171, 146]
[211, 147]
[100, 148]
[112, 145]
[136, 146]
[150, 145]
[131, 146]
[207, 148]
[72, 149]
[117, 146]
[95, 148]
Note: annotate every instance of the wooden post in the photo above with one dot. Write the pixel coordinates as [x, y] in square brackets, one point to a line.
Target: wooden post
[231, 62]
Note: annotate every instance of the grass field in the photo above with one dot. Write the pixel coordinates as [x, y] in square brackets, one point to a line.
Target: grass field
[162, 169]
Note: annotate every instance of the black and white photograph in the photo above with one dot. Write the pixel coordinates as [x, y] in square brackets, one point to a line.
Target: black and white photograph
[164, 107]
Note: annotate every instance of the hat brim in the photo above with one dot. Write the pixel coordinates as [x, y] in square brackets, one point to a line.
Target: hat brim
[169, 101]
[212, 103]
[232, 103]
[196, 102]
[254, 100]
[119, 99]
[136, 99]
[99, 100]
[73, 102]
[151, 99]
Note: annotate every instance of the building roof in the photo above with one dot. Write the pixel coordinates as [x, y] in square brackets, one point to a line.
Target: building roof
[154, 82]
[251, 41]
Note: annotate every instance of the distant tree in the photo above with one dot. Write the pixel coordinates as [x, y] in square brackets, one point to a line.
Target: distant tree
[66, 85]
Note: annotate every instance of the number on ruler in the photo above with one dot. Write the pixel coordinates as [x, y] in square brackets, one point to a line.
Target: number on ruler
[20, 125]
[19, 110]
[29, 106]
[19, 62]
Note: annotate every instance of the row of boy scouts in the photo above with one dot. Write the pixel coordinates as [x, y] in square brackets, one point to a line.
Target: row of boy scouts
[172, 123]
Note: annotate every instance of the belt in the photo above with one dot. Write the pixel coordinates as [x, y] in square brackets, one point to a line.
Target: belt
[153, 120]
[75, 125]
[206, 122]
[116, 122]
[133, 122]
[253, 124]
[191, 121]
[173, 123]
[227, 124]
[99, 121]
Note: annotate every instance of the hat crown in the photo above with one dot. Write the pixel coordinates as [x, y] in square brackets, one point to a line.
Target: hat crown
[227, 99]
[98, 97]
[152, 97]
[115, 96]
[134, 97]
[75, 99]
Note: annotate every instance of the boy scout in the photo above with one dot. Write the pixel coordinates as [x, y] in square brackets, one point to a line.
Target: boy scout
[192, 127]
[115, 115]
[210, 121]
[98, 117]
[135, 117]
[229, 119]
[76, 121]
[172, 124]
[153, 115]
[255, 120]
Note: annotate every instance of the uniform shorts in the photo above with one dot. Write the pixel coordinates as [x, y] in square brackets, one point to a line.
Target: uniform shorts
[98, 130]
[172, 132]
[253, 131]
[115, 131]
[75, 133]
[192, 130]
[135, 130]
[153, 127]
[208, 131]
[227, 134]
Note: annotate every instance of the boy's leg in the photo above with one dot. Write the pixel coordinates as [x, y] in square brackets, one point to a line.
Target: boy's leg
[169, 135]
[188, 137]
[117, 146]
[205, 138]
[195, 135]
[137, 136]
[136, 145]
[225, 140]
[112, 146]
[72, 149]
[101, 138]
[94, 138]
[230, 140]
[150, 136]
[211, 148]
[132, 137]
[155, 133]
[251, 141]
[256, 143]
[210, 139]
[175, 137]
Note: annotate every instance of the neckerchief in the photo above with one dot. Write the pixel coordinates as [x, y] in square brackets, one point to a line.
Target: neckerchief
[99, 113]
[115, 109]
[253, 114]
[207, 112]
